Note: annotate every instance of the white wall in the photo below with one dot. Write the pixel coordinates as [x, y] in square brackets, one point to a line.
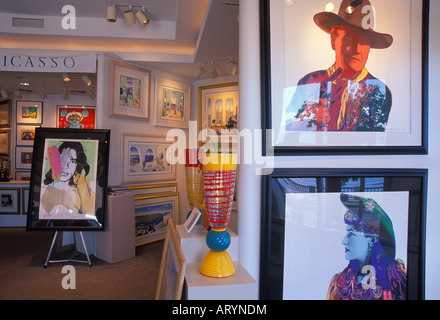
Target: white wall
[120, 125]
[249, 187]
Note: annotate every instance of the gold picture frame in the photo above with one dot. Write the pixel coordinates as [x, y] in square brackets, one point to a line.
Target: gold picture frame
[129, 91]
[221, 115]
[172, 267]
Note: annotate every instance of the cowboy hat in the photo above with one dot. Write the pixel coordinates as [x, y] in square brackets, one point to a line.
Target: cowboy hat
[357, 14]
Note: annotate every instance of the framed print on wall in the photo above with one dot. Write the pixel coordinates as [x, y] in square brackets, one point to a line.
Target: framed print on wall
[152, 213]
[5, 142]
[5, 114]
[29, 112]
[76, 117]
[10, 201]
[68, 180]
[144, 158]
[319, 99]
[23, 157]
[25, 134]
[218, 109]
[172, 103]
[312, 218]
[129, 89]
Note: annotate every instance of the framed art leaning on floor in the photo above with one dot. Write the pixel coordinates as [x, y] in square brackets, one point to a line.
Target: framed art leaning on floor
[68, 179]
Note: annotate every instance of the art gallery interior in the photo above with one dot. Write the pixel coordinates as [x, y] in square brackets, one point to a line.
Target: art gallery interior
[132, 81]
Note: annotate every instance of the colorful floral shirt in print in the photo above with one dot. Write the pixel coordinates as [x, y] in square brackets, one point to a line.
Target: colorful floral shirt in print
[361, 104]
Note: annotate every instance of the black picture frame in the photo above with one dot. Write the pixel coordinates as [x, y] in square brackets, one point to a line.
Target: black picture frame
[267, 94]
[88, 216]
[281, 181]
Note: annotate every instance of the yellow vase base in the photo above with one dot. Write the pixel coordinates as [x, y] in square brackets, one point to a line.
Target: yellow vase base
[217, 265]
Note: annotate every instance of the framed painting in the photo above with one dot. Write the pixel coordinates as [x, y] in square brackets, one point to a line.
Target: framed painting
[10, 201]
[5, 114]
[23, 176]
[29, 112]
[218, 110]
[5, 142]
[144, 158]
[152, 213]
[172, 267]
[312, 221]
[320, 97]
[144, 189]
[23, 157]
[76, 117]
[191, 221]
[172, 103]
[129, 89]
[68, 180]
[25, 134]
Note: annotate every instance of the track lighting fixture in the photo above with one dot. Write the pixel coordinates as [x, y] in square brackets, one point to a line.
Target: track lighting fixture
[42, 94]
[129, 17]
[66, 77]
[111, 13]
[232, 68]
[142, 17]
[18, 94]
[65, 95]
[91, 93]
[86, 79]
[212, 70]
[200, 71]
[4, 94]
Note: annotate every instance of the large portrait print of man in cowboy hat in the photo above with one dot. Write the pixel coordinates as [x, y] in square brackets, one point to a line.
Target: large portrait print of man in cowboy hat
[344, 97]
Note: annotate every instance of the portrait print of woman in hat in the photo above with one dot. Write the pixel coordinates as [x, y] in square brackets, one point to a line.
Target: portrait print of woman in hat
[373, 272]
[345, 97]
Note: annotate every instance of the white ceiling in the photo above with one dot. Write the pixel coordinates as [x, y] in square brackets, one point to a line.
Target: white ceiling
[181, 35]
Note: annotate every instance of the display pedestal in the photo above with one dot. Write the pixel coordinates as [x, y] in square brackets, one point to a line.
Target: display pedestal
[240, 286]
[117, 242]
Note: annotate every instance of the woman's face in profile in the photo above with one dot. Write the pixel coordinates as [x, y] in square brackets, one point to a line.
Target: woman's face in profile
[356, 244]
[68, 163]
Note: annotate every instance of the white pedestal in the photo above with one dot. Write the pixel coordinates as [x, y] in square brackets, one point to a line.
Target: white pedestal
[240, 286]
[117, 242]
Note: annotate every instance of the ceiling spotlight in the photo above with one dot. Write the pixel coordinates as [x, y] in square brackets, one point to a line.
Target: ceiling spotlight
[129, 17]
[4, 94]
[67, 77]
[142, 17]
[212, 70]
[111, 13]
[232, 68]
[65, 95]
[87, 80]
[91, 93]
[18, 94]
[200, 71]
[42, 94]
